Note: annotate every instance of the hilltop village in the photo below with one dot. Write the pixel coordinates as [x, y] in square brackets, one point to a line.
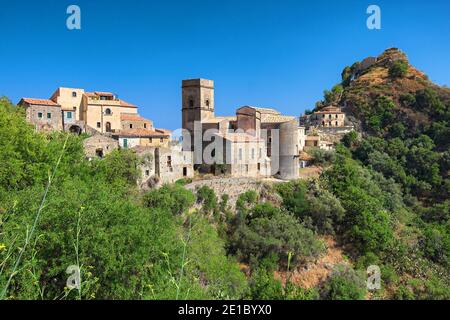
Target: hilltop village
[255, 143]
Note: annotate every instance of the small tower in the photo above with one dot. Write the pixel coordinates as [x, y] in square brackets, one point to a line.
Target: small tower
[197, 103]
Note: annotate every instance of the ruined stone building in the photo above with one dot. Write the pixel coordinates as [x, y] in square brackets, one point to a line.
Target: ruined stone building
[160, 165]
[98, 146]
[256, 142]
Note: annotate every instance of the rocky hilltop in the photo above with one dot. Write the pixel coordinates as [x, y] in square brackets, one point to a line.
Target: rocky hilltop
[386, 94]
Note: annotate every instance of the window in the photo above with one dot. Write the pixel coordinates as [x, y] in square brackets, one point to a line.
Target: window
[161, 140]
[98, 125]
[145, 126]
[49, 115]
[147, 172]
[125, 143]
[336, 123]
[69, 115]
[240, 154]
[74, 94]
[131, 126]
[150, 140]
[207, 102]
[40, 115]
[108, 111]
[191, 103]
[108, 127]
[253, 153]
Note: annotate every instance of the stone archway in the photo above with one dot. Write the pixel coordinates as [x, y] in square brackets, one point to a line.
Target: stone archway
[75, 129]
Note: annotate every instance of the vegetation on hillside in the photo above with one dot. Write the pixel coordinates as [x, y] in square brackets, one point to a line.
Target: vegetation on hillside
[383, 196]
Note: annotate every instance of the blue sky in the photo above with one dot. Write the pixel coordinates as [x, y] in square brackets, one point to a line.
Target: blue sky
[279, 54]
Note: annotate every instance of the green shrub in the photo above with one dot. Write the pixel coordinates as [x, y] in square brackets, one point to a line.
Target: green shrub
[399, 69]
[173, 197]
[345, 284]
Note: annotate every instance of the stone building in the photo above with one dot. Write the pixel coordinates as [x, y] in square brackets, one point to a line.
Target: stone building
[253, 128]
[43, 114]
[103, 111]
[142, 137]
[330, 116]
[162, 165]
[70, 101]
[134, 121]
[98, 146]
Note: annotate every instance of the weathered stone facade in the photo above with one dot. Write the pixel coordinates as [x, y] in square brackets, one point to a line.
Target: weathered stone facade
[163, 165]
[98, 146]
[252, 128]
[44, 114]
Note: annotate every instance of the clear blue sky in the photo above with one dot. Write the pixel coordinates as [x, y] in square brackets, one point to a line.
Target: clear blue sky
[279, 54]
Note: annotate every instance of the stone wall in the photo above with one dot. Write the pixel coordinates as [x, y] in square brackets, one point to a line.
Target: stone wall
[99, 146]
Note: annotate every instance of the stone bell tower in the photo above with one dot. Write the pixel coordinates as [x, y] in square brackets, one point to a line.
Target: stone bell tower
[197, 104]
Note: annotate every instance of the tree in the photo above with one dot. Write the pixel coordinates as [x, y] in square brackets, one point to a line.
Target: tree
[399, 69]
[350, 139]
[207, 197]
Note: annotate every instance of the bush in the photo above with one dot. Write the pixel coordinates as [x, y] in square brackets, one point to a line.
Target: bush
[280, 235]
[207, 197]
[172, 197]
[399, 69]
[345, 284]
[350, 139]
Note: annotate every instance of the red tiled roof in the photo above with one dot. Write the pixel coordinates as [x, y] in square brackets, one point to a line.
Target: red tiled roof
[100, 93]
[132, 117]
[44, 102]
[142, 133]
[126, 104]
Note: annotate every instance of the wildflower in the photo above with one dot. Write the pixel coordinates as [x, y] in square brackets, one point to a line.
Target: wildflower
[2, 247]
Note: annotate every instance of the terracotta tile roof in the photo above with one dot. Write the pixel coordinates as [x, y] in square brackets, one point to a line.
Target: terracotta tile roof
[126, 104]
[44, 102]
[267, 111]
[100, 93]
[219, 119]
[273, 118]
[142, 133]
[132, 117]
[90, 94]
